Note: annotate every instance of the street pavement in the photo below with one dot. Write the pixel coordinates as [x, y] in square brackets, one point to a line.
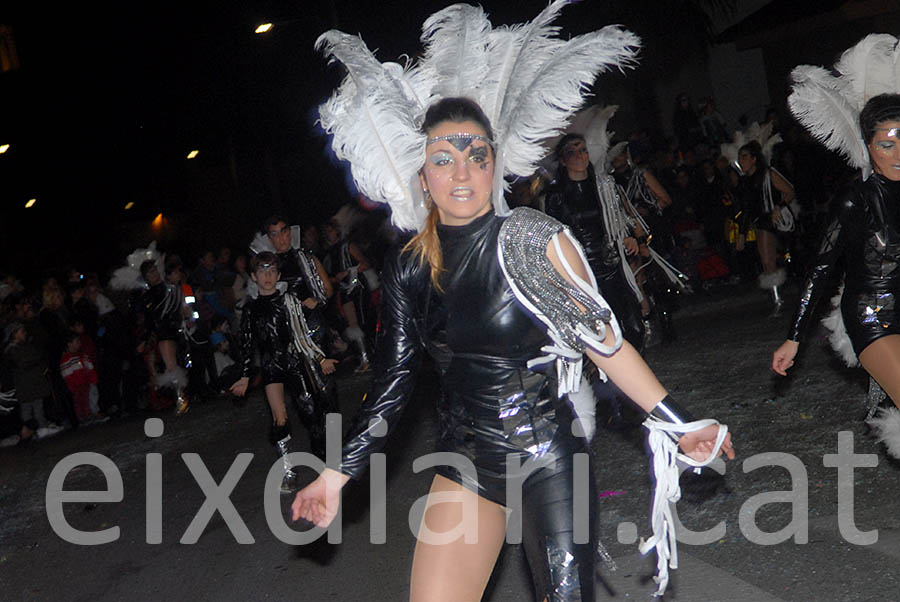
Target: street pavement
[718, 366]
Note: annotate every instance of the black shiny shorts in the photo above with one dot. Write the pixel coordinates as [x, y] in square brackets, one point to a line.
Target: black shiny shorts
[868, 317]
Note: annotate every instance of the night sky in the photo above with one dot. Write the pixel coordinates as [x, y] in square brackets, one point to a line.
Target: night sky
[110, 97]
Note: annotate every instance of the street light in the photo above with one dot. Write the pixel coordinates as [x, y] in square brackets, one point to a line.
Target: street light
[3, 148]
[129, 205]
[265, 27]
[30, 203]
[193, 154]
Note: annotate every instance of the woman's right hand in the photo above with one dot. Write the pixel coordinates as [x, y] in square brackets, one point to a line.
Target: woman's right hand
[783, 358]
[319, 501]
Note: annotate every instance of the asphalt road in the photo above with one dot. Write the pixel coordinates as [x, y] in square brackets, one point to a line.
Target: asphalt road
[170, 545]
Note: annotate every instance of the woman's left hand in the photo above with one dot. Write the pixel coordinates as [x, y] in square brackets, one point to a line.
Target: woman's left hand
[698, 445]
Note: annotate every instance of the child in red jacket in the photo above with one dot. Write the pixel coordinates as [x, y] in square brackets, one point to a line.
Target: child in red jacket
[81, 377]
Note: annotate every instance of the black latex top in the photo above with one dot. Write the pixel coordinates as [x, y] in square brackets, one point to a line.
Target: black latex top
[864, 231]
[480, 337]
[265, 326]
[577, 205]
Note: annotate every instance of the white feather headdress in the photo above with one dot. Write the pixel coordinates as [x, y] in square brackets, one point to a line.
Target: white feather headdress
[528, 81]
[756, 132]
[128, 277]
[828, 103]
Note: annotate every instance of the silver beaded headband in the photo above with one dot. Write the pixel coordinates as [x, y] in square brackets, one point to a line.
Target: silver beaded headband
[460, 141]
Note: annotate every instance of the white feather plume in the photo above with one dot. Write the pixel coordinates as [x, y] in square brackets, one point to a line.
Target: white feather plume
[818, 104]
[769, 146]
[868, 69]
[527, 80]
[595, 132]
[517, 54]
[128, 277]
[615, 151]
[885, 426]
[456, 49]
[373, 121]
[729, 150]
[590, 122]
[558, 89]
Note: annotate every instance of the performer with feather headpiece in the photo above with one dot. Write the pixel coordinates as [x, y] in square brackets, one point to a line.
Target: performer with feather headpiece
[855, 110]
[472, 288]
[163, 306]
[765, 197]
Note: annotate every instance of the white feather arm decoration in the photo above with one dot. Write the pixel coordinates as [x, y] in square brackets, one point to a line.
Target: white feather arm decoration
[373, 120]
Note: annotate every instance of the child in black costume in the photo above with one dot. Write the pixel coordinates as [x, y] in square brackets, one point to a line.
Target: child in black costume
[273, 322]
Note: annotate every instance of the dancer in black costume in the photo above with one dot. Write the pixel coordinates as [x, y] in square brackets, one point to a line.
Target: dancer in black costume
[864, 232]
[446, 293]
[573, 200]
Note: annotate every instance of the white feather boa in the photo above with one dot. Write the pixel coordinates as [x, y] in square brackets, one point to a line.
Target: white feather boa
[838, 338]
[886, 429]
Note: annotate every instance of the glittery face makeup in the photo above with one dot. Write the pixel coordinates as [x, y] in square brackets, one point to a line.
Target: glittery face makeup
[884, 149]
[458, 171]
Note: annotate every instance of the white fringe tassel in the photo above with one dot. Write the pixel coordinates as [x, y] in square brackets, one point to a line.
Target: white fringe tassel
[668, 491]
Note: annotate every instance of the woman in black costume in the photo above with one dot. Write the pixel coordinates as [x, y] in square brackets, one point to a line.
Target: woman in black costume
[865, 232]
[446, 293]
[762, 191]
[573, 200]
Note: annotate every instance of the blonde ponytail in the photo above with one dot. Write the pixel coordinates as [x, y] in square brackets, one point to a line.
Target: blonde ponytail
[427, 246]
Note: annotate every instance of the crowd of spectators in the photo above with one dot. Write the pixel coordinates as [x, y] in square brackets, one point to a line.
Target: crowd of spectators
[74, 350]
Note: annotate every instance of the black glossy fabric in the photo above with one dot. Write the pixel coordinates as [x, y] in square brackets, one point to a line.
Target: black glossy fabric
[863, 232]
[749, 194]
[265, 326]
[161, 305]
[577, 205]
[292, 274]
[492, 409]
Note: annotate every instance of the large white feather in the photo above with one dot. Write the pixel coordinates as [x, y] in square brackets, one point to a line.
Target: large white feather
[373, 121]
[558, 89]
[729, 150]
[456, 49]
[818, 104]
[595, 132]
[617, 149]
[517, 54]
[868, 68]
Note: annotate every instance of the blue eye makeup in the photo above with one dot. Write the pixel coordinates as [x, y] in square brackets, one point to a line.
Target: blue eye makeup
[440, 159]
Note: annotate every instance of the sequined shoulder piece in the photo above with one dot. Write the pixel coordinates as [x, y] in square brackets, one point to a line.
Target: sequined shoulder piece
[552, 298]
